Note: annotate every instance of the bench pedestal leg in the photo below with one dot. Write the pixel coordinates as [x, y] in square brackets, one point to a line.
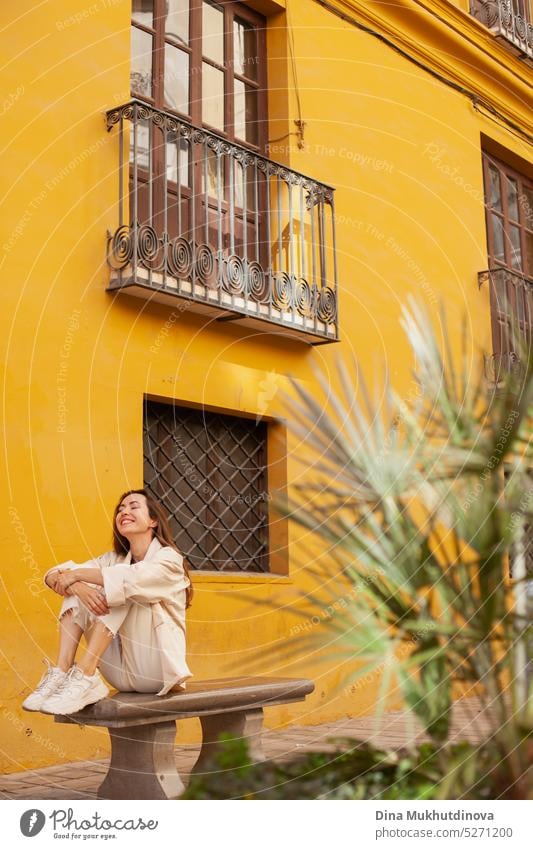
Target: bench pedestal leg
[247, 724]
[142, 764]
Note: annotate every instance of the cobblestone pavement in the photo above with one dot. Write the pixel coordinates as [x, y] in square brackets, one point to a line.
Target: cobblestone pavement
[80, 779]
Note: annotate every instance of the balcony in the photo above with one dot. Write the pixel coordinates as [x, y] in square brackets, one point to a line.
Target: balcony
[508, 20]
[511, 306]
[210, 226]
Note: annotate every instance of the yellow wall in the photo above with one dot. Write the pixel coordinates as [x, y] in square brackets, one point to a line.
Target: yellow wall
[403, 151]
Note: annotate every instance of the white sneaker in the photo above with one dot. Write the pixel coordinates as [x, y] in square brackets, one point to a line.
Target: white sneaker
[51, 680]
[76, 692]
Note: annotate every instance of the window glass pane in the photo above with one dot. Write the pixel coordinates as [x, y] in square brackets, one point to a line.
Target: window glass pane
[245, 112]
[141, 62]
[176, 78]
[529, 254]
[239, 178]
[520, 291]
[502, 301]
[526, 203]
[497, 238]
[143, 12]
[143, 138]
[529, 314]
[172, 159]
[213, 33]
[512, 198]
[177, 20]
[212, 96]
[212, 175]
[245, 49]
[495, 199]
[515, 249]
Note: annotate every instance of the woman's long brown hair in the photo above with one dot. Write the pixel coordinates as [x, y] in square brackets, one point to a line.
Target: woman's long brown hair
[162, 532]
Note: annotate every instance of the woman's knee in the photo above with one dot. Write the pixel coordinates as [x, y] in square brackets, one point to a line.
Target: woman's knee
[77, 614]
[99, 626]
[71, 614]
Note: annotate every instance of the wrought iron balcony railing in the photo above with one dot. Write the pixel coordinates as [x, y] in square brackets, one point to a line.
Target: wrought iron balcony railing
[509, 21]
[511, 306]
[226, 230]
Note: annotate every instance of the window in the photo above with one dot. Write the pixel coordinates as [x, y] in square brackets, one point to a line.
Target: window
[204, 61]
[210, 472]
[509, 205]
[509, 219]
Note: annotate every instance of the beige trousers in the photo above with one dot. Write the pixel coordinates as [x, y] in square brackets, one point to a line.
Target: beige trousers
[132, 661]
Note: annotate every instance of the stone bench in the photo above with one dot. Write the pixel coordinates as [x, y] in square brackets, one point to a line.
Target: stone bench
[143, 729]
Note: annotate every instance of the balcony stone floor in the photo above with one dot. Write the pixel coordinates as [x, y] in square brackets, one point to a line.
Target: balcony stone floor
[80, 779]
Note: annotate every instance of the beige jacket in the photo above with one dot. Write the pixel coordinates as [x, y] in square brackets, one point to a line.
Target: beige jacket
[159, 580]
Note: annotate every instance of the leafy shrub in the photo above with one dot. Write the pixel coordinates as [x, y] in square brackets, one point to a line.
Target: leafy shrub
[359, 772]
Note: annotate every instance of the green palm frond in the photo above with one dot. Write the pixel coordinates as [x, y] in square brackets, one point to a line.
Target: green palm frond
[409, 504]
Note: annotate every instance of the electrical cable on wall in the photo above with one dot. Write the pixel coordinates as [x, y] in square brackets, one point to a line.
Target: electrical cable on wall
[473, 97]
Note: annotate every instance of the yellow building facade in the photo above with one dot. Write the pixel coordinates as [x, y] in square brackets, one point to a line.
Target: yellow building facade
[384, 110]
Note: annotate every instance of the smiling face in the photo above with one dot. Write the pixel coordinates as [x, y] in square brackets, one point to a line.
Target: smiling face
[133, 517]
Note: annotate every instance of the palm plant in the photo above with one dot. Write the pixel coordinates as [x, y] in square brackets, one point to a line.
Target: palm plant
[419, 503]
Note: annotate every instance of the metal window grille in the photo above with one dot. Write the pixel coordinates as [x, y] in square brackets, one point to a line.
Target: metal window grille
[210, 472]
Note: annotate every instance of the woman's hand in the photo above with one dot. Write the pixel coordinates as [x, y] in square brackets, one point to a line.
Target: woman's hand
[94, 599]
[54, 582]
[64, 580]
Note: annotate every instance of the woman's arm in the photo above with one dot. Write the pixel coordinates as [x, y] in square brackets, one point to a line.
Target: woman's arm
[90, 571]
[51, 576]
[87, 574]
[54, 581]
[147, 581]
[92, 597]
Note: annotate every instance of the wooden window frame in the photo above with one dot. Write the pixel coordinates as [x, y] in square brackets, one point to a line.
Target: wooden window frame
[510, 287]
[194, 50]
[521, 181]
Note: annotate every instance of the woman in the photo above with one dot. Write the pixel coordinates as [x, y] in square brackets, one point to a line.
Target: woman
[130, 604]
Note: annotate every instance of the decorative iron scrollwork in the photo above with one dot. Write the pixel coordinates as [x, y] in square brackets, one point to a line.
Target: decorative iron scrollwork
[520, 27]
[506, 11]
[205, 264]
[498, 366]
[315, 195]
[148, 246]
[257, 285]
[120, 247]
[279, 233]
[179, 258]
[234, 277]
[282, 291]
[501, 17]
[326, 305]
[303, 298]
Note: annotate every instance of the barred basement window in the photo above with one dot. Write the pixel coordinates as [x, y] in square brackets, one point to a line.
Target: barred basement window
[210, 472]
